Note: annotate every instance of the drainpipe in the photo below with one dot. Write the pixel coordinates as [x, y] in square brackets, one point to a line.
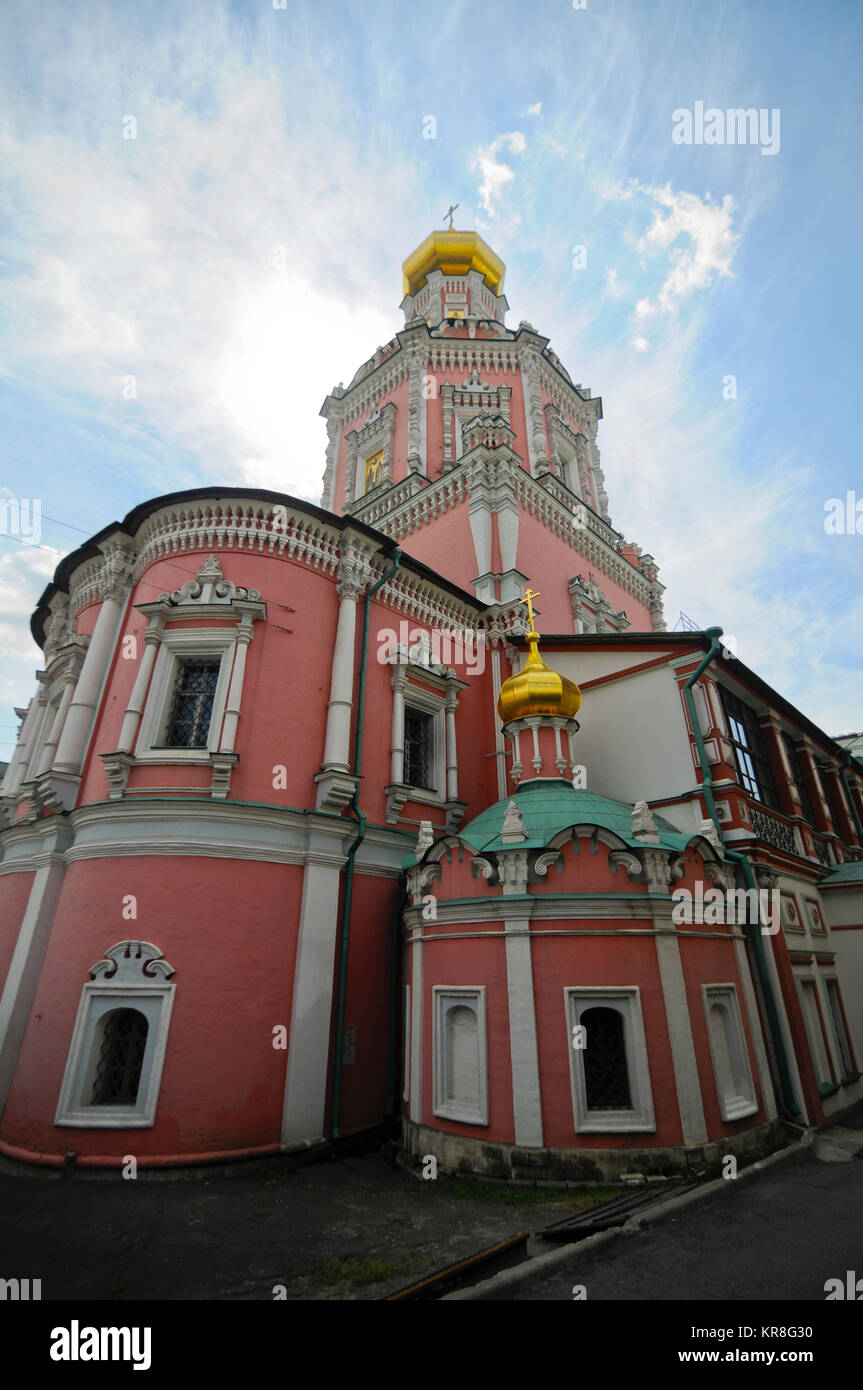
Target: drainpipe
[352, 852]
[791, 1106]
[844, 765]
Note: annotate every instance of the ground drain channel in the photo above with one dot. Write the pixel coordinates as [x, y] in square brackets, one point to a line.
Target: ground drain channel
[513, 1251]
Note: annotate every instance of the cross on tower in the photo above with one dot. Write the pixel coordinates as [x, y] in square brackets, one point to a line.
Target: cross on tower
[449, 212]
[529, 594]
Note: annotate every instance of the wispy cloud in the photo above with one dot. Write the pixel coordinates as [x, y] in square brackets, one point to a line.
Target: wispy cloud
[494, 174]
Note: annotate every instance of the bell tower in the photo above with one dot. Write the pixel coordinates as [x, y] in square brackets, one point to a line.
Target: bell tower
[469, 443]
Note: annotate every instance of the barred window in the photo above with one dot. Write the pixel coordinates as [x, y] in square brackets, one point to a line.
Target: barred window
[121, 1057]
[753, 765]
[192, 704]
[798, 778]
[830, 795]
[419, 733]
[606, 1077]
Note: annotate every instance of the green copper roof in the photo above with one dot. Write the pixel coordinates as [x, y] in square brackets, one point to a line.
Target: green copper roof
[550, 807]
[849, 872]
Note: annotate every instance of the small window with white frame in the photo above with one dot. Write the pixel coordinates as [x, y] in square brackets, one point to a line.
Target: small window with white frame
[609, 1070]
[460, 1054]
[114, 1068]
[840, 1029]
[735, 1087]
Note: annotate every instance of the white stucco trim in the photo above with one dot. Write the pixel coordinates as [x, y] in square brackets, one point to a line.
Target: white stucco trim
[303, 1112]
[686, 1080]
[524, 1053]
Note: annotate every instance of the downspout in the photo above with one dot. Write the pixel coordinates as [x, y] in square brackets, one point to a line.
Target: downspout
[791, 1106]
[352, 852]
[844, 765]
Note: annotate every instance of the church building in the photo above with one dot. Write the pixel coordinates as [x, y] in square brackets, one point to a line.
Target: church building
[408, 808]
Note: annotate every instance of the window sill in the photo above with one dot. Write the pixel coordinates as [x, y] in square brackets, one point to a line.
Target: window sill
[851, 1078]
[113, 1117]
[737, 1110]
[459, 1116]
[829, 1090]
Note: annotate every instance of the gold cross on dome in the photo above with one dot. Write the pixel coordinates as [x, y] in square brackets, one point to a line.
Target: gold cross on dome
[529, 594]
[449, 212]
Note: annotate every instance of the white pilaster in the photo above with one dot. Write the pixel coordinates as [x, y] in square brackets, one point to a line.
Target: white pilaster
[26, 964]
[686, 1080]
[524, 1055]
[397, 749]
[337, 745]
[303, 1113]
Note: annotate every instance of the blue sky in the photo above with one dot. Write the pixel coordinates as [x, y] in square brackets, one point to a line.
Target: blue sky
[242, 254]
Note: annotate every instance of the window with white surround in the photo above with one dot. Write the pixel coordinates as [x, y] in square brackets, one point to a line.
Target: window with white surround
[114, 1068]
[610, 1075]
[183, 714]
[735, 1087]
[460, 1054]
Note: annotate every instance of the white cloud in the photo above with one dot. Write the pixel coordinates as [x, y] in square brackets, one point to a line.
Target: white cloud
[614, 287]
[710, 250]
[535, 110]
[495, 175]
[640, 344]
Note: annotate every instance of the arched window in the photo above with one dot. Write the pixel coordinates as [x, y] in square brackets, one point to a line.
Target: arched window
[609, 1070]
[606, 1077]
[114, 1068]
[121, 1040]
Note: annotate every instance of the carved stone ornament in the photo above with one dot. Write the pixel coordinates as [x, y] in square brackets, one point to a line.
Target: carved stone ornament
[130, 962]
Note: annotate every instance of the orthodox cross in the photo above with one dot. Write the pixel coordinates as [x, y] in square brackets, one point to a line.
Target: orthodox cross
[528, 595]
[449, 212]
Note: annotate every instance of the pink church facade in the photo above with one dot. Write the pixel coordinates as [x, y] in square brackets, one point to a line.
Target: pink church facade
[276, 869]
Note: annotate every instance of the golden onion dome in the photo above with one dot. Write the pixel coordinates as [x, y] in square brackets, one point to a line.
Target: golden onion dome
[455, 253]
[536, 689]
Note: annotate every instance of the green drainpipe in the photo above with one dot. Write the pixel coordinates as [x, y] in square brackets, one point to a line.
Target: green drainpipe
[714, 633]
[352, 852]
[845, 763]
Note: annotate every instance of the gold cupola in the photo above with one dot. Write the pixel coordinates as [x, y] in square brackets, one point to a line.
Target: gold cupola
[536, 689]
[454, 253]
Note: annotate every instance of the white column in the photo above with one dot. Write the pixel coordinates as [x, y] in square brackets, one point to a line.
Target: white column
[235, 691]
[338, 738]
[524, 1055]
[686, 1080]
[397, 750]
[132, 716]
[73, 740]
[49, 747]
[18, 764]
[303, 1112]
[451, 756]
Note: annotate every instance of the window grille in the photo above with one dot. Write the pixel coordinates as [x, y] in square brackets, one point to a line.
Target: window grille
[418, 748]
[192, 704]
[753, 765]
[121, 1057]
[606, 1077]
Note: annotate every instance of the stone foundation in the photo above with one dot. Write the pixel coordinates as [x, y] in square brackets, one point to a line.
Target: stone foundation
[458, 1154]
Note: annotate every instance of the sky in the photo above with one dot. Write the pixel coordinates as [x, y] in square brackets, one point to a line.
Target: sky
[204, 208]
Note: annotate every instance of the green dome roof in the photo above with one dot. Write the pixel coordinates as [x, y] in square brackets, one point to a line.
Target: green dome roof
[547, 808]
